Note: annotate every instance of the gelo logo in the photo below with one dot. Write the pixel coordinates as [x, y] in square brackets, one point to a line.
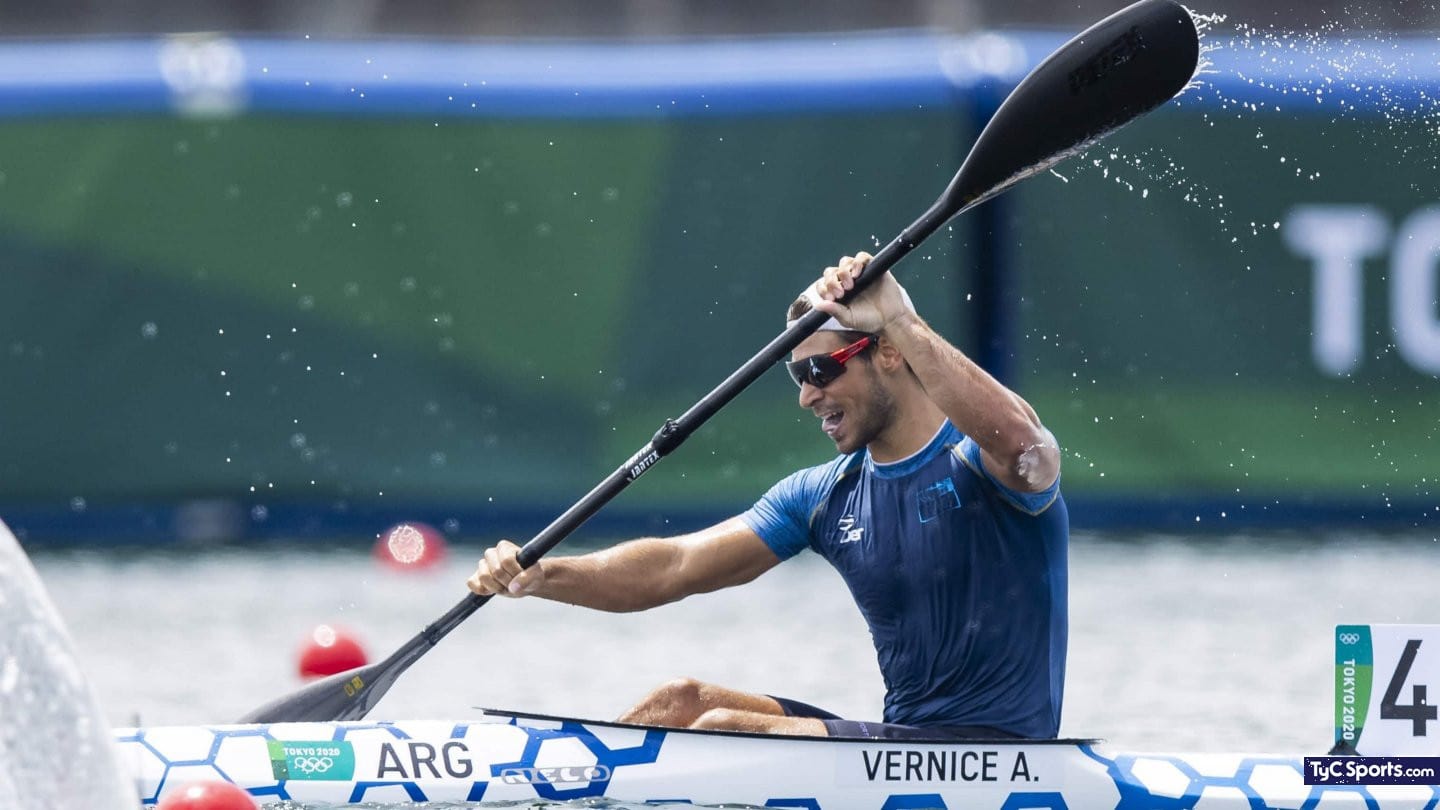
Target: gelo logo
[571, 774]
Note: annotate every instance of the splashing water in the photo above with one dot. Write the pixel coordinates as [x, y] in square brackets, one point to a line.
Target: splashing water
[1248, 73]
[55, 750]
[1204, 65]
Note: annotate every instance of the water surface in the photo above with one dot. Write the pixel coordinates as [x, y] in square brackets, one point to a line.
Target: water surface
[1202, 644]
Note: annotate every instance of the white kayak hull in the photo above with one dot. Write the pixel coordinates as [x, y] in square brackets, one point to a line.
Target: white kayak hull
[510, 758]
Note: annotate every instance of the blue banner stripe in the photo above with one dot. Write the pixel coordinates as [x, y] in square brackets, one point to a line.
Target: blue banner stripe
[686, 78]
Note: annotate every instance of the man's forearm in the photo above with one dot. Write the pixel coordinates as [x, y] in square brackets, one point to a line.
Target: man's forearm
[629, 577]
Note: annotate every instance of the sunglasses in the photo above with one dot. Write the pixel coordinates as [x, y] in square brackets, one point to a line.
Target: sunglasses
[821, 369]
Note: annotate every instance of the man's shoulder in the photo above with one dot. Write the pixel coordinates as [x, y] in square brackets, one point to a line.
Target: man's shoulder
[807, 488]
[783, 515]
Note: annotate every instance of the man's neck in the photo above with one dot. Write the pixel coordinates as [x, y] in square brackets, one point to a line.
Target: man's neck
[916, 423]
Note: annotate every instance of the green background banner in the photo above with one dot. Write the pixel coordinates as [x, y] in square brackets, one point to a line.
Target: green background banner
[1171, 321]
[287, 318]
[353, 313]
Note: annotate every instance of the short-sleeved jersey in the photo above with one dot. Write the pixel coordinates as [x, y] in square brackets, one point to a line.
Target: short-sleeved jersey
[962, 580]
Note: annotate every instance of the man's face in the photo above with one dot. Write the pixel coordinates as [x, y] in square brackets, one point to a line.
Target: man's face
[855, 407]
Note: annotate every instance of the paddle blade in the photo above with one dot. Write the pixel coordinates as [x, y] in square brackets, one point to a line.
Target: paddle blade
[1113, 72]
[352, 694]
[346, 695]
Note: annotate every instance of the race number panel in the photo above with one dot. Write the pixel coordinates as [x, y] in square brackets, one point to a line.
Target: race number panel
[1387, 687]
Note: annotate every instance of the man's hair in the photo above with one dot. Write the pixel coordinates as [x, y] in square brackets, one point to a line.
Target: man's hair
[797, 309]
[800, 306]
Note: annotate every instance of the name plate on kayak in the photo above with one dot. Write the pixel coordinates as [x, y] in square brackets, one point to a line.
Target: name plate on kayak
[1383, 677]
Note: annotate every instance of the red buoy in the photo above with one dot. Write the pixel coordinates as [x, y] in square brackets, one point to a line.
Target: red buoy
[410, 546]
[207, 795]
[329, 650]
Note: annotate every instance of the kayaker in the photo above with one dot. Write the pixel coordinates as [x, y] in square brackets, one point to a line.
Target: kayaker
[942, 513]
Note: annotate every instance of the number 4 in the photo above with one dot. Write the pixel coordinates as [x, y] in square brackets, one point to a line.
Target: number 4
[1419, 711]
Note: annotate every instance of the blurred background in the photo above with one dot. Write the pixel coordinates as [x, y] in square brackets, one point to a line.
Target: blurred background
[278, 271]
[631, 18]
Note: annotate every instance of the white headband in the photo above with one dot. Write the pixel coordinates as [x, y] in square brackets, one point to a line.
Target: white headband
[831, 324]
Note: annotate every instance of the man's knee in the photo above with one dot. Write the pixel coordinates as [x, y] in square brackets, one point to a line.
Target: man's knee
[674, 703]
[684, 693]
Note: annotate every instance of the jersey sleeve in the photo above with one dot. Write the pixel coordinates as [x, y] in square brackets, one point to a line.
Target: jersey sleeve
[782, 516]
[1031, 503]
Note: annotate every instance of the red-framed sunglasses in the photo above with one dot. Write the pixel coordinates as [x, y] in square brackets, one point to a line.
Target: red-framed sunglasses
[821, 369]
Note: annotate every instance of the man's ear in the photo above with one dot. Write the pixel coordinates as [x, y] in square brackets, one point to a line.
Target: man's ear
[887, 356]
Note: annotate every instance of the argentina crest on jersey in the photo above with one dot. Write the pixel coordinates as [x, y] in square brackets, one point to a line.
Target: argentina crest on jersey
[936, 499]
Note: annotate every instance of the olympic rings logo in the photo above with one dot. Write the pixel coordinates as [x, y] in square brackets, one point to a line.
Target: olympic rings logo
[1349, 638]
[312, 765]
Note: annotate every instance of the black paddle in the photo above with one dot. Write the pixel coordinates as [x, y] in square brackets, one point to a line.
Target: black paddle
[1116, 70]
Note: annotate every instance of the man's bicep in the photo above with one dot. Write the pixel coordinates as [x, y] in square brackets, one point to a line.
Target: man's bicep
[727, 554]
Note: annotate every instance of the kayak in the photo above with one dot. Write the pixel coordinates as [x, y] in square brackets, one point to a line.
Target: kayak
[505, 758]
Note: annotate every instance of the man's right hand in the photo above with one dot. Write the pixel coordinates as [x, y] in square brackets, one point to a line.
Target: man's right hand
[499, 573]
[883, 303]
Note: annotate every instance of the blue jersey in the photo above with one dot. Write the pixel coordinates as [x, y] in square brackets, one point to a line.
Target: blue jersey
[961, 579]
